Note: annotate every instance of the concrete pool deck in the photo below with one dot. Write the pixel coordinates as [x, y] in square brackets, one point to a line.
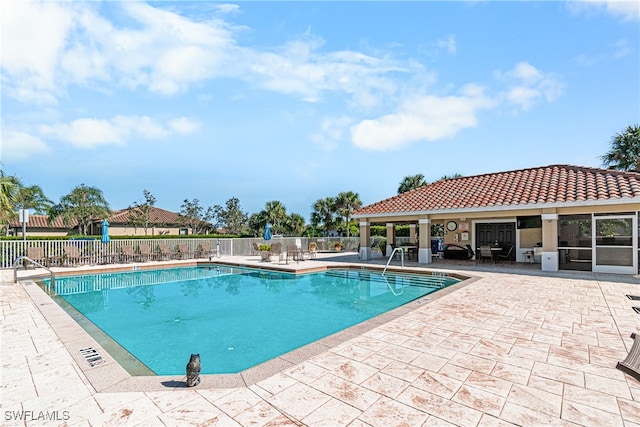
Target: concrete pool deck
[512, 347]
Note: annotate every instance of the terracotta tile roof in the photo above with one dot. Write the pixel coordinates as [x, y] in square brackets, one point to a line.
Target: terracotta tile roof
[555, 185]
[157, 215]
[42, 221]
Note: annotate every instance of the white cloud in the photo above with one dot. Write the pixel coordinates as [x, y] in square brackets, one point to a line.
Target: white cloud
[421, 118]
[228, 8]
[299, 68]
[527, 85]
[88, 133]
[19, 146]
[449, 44]
[332, 131]
[33, 37]
[628, 10]
[622, 48]
[183, 125]
[50, 47]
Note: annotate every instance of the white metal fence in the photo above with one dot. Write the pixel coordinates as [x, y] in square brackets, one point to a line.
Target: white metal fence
[93, 251]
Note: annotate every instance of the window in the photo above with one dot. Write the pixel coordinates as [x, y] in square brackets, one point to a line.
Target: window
[529, 222]
[574, 242]
[574, 231]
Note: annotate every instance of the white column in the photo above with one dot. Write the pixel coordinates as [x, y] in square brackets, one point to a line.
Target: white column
[550, 261]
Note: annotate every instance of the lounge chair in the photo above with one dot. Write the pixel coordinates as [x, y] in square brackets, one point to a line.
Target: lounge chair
[72, 256]
[631, 364]
[164, 252]
[145, 253]
[204, 251]
[37, 254]
[183, 252]
[128, 253]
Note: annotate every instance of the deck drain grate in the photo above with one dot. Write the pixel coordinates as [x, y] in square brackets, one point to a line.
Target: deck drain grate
[92, 356]
[636, 309]
[633, 297]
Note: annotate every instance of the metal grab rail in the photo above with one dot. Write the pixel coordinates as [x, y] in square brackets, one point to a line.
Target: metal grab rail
[391, 288]
[391, 257]
[20, 258]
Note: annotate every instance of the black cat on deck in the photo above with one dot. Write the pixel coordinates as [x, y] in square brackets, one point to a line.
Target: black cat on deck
[193, 370]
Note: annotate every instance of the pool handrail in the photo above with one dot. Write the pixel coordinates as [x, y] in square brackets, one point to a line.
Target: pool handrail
[391, 257]
[21, 258]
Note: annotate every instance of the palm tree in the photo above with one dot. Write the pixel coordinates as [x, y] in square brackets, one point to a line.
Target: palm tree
[624, 153]
[295, 224]
[276, 215]
[454, 176]
[84, 204]
[7, 207]
[323, 213]
[347, 202]
[411, 182]
[257, 222]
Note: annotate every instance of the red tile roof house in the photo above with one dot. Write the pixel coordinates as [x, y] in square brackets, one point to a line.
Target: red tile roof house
[563, 216]
[163, 222]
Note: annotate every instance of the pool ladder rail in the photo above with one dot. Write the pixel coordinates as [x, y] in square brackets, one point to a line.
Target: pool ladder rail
[393, 252]
[16, 263]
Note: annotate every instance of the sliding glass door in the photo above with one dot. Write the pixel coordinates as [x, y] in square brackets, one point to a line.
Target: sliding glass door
[615, 244]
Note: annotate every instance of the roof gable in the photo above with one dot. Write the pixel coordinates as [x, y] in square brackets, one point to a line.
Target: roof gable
[555, 184]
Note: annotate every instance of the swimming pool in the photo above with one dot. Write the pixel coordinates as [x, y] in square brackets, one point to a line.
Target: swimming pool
[234, 317]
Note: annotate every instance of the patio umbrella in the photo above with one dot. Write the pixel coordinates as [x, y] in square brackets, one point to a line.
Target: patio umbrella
[267, 232]
[105, 232]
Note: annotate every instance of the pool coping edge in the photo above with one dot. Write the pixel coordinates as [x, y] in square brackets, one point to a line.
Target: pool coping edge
[112, 377]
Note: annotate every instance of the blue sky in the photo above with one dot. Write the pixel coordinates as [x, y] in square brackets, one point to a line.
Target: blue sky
[297, 101]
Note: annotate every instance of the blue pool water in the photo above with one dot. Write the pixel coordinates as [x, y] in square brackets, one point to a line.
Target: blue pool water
[234, 317]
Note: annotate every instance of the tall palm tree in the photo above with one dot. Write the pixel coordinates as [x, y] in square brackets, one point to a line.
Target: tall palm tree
[411, 182]
[624, 152]
[295, 224]
[83, 205]
[276, 215]
[347, 202]
[7, 206]
[323, 213]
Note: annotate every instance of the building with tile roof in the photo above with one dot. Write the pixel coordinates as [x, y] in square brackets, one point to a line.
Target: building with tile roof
[563, 216]
[162, 222]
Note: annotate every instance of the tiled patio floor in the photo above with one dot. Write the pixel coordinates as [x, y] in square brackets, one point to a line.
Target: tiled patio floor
[514, 347]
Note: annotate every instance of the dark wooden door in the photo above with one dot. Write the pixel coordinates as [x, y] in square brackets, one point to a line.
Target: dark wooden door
[502, 232]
